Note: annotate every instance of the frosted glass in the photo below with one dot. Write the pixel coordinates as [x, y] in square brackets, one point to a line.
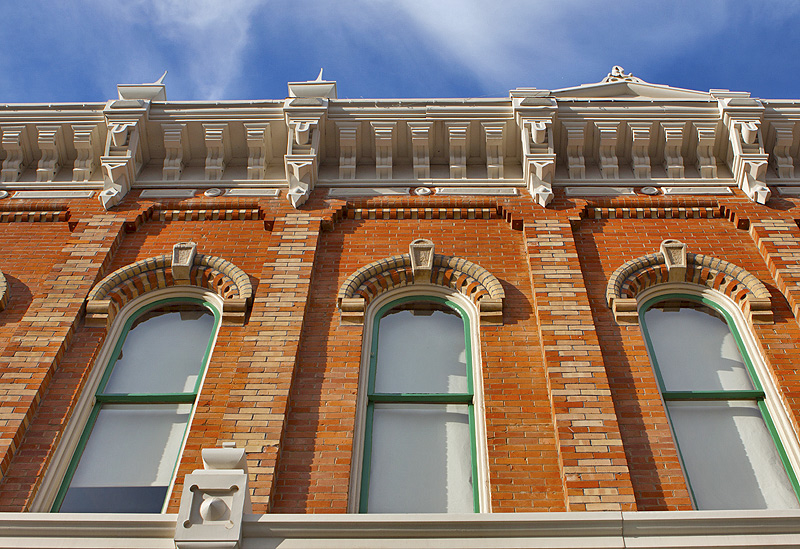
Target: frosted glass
[730, 457]
[421, 350]
[695, 349]
[130, 456]
[163, 352]
[421, 459]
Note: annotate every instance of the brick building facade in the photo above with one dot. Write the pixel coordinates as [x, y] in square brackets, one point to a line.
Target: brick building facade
[553, 220]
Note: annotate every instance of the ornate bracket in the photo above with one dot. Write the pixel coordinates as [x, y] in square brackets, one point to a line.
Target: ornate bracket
[640, 148]
[259, 150]
[495, 146]
[19, 155]
[607, 132]
[384, 139]
[746, 156]
[178, 152]
[421, 151]
[126, 148]
[54, 152]
[673, 263]
[539, 159]
[457, 138]
[218, 150]
[348, 148]
[87, 145]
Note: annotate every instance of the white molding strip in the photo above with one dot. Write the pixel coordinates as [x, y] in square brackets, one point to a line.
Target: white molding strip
[168, 193]
[655, 530]
[238, 191]
[788, 191]
[477, 191]
[53, 194]
[599, 191]
[696, 190]
[344, 192]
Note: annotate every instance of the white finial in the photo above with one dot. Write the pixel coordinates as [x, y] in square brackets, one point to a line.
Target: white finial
[319, 78]
[161, 80]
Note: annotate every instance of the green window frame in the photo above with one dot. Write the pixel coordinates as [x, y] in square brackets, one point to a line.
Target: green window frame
[756, 396]
[373, 397]
[140, 400]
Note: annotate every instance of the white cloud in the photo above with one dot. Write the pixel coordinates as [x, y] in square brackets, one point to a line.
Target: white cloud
[204, 41]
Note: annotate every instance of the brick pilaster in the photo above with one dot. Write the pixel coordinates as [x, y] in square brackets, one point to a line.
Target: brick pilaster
[260, 390]
[37, 345]
[594, 467]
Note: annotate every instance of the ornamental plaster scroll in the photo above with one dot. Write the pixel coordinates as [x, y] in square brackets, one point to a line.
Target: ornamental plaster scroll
[673, 264]
[3, 291]
[185, 267]
[421, 266]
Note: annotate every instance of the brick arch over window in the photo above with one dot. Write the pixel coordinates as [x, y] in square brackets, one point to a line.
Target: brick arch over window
[674, 264]
[421, 266]
[184, 267]
[3, 291]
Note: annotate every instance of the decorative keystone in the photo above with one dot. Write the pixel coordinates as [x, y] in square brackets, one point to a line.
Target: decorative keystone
[214, 500]
[421, 252]
[182, 260]
[674, 253]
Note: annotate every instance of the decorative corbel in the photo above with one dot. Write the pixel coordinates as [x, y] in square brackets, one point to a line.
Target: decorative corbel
[54, 152]
[749, 161]
[706, 138]
[607, 148]
[119, 162]
[494, 148]
[178, 153]
[751, 180]
[575, 132]
[18, 152]
[214, 501]
[457, 138]
[348, 148]
[301, 160]
[259, 150]
[782, 137]
[673, 143]
[218, 150]
[640, 149]
[87, 144]
[539, 160]
[420, 148]
[384, 137]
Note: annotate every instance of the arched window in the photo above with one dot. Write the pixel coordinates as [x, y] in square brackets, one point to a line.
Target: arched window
[718, 408]
[126, 457]
[419, 452]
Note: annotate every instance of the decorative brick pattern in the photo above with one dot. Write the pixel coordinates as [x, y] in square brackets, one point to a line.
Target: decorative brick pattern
[383, 275]
[127, 283]
[636, 275]
[34, 216]
[36, 347]
[421, 213]
[594, 466]
[641, 212]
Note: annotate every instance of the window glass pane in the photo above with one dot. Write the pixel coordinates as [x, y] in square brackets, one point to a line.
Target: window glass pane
[129, 459]
[730, 457]
[421, 349]
[163, 351]
[694, 348]
[421, 459]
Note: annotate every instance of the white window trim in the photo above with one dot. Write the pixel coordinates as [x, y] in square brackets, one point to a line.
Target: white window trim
[773, 399]
[359, 434]
[65, 448]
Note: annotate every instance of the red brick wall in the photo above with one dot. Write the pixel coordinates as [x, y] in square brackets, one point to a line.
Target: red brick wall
[573, 415]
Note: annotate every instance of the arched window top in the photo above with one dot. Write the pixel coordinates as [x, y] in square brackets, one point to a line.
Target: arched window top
[421, 266]
[720, 409]
[675, 265]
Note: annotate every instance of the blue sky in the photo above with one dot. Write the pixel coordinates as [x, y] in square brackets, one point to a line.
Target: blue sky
[78, 50]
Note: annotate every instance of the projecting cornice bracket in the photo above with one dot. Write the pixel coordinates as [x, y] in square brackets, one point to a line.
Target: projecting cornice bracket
[421, 151]
[19, 155]
[384, 139]
[54, 152]
[177, 151]
[126, 148]
[539, 159]
[259, 150]
[457, 133]
[746, 157]
[86, 139]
